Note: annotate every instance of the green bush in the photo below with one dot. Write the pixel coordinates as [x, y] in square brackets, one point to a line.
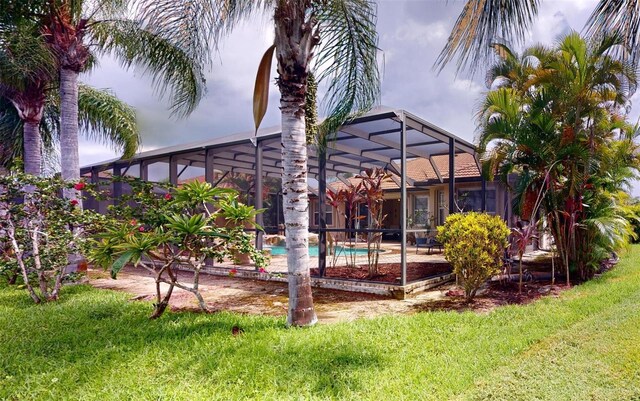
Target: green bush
[473, 244]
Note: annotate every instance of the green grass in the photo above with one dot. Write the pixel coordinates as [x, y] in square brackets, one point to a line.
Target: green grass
[94, 345]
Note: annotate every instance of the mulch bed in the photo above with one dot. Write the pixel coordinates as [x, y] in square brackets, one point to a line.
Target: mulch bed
[494, 295]
[387, 272]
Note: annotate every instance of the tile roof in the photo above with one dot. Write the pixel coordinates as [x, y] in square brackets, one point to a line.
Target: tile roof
[420, 169]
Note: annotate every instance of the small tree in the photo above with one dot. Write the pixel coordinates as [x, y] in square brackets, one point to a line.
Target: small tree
[178, 231]
[38, 227]
[473, 244]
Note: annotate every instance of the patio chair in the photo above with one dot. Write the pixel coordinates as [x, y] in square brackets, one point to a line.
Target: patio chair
[428, 243]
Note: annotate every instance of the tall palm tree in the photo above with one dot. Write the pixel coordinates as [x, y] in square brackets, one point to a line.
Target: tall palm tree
[556, 128]
[27, 71]
[77, 31]
[338, 39]
[481, 23]
[101, 116]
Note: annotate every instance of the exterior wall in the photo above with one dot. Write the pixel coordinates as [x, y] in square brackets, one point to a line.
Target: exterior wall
[392, 202]
[337, 214]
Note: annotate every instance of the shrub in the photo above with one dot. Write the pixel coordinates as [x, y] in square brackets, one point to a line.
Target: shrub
[473, 244]
[161, 231]
[39, 231]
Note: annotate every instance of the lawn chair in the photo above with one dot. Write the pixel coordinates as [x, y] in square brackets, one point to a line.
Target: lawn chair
[428, 243]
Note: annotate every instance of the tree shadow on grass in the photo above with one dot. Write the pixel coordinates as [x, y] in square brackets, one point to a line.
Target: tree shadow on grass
[90, 333]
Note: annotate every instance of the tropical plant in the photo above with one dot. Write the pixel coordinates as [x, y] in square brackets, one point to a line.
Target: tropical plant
[180, 233]
[38, 226]
[474, 244]
[349, 198]
[373, 197]
[522, 237]
[237, 214]
[481, 24]
[77, 31]
[27, 72]
[563, 131]
[102, 117]
[340, 37]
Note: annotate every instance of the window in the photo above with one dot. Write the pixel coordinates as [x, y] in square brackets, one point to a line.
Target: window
[441, 208]
[328, 218]
[421, 210]
[471, 200]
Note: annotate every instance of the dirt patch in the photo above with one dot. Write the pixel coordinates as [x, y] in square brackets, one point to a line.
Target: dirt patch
[495, 294]
[387, 272]
[242, 295]
[223, 293]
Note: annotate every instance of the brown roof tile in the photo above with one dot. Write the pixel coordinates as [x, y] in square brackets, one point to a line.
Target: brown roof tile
[420, 169]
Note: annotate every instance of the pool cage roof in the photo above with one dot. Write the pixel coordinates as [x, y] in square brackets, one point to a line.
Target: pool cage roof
[372, 140]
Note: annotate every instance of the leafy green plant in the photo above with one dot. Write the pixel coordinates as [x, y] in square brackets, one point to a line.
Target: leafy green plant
[41, 230]
[237, 213]
[556, 119]
[474, 244]
[162, 231]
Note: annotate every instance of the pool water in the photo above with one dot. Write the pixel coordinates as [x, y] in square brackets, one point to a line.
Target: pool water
[313, 250]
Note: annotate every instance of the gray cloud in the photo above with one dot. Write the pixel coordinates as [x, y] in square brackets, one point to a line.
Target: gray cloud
[412, 33]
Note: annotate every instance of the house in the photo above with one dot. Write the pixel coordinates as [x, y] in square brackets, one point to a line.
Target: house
[427, 194]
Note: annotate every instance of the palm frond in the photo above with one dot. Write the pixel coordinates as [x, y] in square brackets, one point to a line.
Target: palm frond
[196, 26]
[107, 119]
[172, 69]
[480, 24]
[10, 134]
[620, 17]
[347, 60]
[24, 57]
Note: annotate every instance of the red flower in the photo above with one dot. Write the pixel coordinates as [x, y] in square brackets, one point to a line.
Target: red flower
[133, 222]
[74, 202]
[262, 270]
[167, 196]
[141, 229]
[79, 186]
[233, 272]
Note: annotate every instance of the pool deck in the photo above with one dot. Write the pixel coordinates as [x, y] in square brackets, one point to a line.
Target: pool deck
[391, 254]
[277, 271]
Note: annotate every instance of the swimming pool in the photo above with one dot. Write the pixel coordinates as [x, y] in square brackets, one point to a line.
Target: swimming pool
[313, 250]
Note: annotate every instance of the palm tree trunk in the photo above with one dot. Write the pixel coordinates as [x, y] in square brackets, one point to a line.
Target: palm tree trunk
[32, 143]
[296, 217]
[69, 129]
[295, 39]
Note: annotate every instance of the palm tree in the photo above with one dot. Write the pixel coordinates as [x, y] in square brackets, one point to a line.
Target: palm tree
[27, 70]
[337, 38]
[77, 31]
[101, 116]
[555, 129]
[480, 24]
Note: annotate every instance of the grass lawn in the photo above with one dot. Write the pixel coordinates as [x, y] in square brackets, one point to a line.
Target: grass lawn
[95, 345]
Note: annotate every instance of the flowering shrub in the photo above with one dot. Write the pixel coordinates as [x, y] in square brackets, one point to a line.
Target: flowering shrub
[39, 230]
[159, 231]
[474, 244]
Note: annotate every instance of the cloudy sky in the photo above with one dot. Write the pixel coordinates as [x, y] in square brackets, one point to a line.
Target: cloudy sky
[412, 33]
